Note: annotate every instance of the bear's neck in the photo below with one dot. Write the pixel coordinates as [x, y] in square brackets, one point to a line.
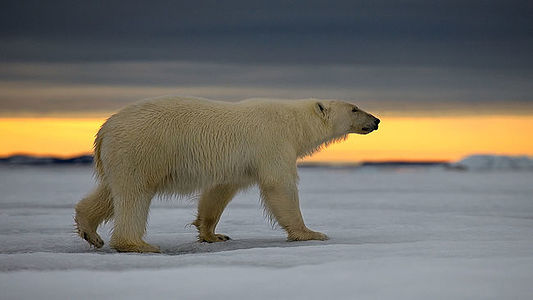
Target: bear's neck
[312, 135]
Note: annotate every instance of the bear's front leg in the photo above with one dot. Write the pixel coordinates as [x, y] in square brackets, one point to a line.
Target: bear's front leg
[281, 199]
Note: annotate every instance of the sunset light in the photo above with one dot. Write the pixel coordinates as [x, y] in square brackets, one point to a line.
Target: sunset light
[399, 138]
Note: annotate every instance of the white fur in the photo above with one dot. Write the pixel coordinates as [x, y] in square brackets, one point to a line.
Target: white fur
[176, 145]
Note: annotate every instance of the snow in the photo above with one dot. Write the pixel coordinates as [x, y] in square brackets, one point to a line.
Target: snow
[494, 162]
[421, 233]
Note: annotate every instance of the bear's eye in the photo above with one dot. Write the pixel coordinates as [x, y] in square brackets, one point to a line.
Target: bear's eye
[354, 109]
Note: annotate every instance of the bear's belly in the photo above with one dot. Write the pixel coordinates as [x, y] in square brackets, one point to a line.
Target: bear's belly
[188, 180]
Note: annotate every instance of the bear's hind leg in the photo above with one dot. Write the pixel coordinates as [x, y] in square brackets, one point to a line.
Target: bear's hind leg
[91, 211]
[210, 208]
[131, 214]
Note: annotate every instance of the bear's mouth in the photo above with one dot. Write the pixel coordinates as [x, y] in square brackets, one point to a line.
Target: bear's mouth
[363, 130]
[369, 129]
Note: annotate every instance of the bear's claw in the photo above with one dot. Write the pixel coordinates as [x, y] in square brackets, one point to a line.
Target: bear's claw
[93, 239]
[217, 237]
[306, 235]
[142, 247]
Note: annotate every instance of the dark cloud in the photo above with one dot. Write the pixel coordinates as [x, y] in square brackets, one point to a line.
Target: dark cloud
[94, 55]
[465, 33]
[422, 19]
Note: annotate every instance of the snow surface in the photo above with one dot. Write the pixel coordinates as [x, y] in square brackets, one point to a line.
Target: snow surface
[424, 233]
[482, 162]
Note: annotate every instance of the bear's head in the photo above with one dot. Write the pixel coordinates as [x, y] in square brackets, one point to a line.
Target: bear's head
[345, 118]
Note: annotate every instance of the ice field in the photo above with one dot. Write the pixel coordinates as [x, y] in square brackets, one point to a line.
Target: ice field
[411, 233]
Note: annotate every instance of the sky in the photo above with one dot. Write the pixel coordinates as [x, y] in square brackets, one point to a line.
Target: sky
[423, 67]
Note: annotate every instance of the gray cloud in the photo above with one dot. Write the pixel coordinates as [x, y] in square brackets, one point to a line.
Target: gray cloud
[97, 55]
[45, 87]
[482, 84]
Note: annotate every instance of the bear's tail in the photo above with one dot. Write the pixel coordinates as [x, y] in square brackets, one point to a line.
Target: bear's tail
[98, 166]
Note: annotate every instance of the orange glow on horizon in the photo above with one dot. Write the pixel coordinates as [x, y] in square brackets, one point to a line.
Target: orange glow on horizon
[437, 138]
[61, 137]
[399, 138]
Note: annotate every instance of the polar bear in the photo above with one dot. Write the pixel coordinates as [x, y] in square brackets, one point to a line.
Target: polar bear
[178, 145]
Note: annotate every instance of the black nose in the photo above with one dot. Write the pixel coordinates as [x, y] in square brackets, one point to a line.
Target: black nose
[377, 121]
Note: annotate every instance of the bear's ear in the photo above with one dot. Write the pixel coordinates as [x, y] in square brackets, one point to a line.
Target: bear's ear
[321, 110]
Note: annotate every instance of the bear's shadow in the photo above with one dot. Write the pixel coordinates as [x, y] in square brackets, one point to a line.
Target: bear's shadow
[197, 247]
[253, 243]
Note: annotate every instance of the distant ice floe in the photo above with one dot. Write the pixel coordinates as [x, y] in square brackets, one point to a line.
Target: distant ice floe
[494, 162]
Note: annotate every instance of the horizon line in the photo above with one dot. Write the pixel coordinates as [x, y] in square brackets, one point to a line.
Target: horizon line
[299, 162]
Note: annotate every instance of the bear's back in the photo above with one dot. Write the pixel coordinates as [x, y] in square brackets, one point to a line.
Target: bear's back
[209, 141]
